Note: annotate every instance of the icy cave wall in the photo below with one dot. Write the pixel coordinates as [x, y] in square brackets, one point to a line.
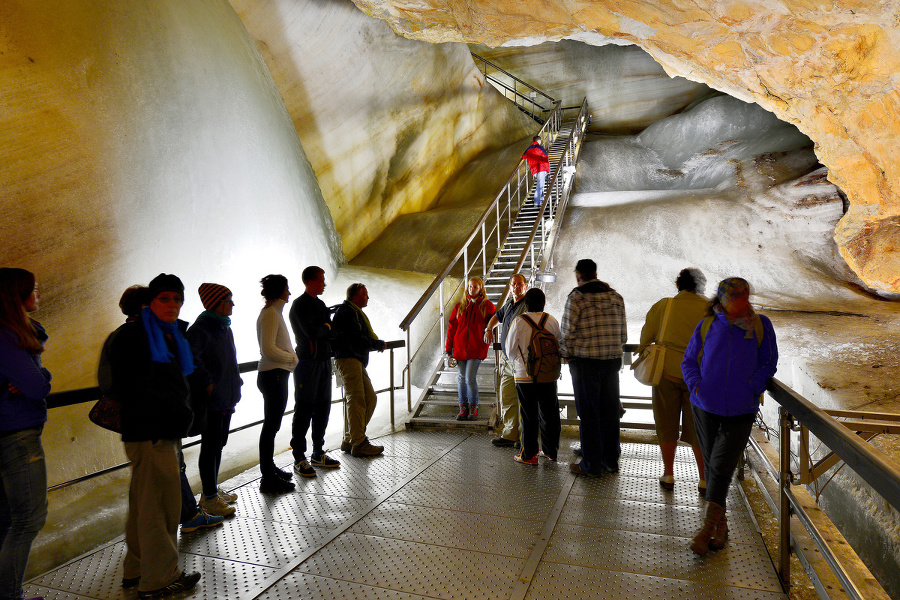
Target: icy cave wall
[829, 68]
[140, 137]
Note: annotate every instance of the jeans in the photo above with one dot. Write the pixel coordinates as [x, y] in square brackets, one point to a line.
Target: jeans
[274, 387]
[189, 507]
[312, 405]
[467, 381]
[23, 505]
[596, 386]
[722, 440]
[539, 409]
[539, 187]
[211, 444]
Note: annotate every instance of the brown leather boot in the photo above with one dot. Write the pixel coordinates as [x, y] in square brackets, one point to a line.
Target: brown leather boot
[720, 535]
[700, 543]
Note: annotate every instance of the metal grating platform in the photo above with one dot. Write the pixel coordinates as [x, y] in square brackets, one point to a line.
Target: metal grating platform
[444, 514]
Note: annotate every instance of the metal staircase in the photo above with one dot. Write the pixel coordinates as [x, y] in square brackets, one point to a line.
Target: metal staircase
[526, 247]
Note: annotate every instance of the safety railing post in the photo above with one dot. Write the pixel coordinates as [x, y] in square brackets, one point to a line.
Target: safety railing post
[392, 387]
[784, 513]
[483, 250]
[408, 373]
[465, 262]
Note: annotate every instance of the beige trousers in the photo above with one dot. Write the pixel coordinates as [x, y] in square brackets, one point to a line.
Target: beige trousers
[361, 398]
[509, 401]
[154, 509]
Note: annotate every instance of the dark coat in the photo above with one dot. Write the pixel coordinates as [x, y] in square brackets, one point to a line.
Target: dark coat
[215, 362]
[352, 339]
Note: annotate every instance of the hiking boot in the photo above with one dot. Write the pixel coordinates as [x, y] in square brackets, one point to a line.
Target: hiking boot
[366, 448]
[324, 461]
[184, 583]
[303, 469]
[228, 497]
[502, 442]
[217, 506]
[700, 541]
[279, 473]
[130, 582]
[720, 534]
[463, 412]
[525, 461]
[275, 485]
[473, 412]
[202, 520]
[346, 446]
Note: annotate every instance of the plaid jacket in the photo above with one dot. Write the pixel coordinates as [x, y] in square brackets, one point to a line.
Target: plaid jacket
[593, 323]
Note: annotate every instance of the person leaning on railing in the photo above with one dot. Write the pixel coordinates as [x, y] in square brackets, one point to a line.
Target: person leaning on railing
[24, 385]
[731, 356]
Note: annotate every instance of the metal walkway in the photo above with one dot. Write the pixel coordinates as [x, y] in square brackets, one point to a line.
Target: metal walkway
[444, 514]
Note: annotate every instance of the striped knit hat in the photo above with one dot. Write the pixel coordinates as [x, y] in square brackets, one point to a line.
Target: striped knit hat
[211, 294]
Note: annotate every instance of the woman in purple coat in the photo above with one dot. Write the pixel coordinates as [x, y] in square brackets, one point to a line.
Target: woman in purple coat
[24, 385]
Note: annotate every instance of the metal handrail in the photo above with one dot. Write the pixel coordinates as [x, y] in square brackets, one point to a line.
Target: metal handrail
[870, 464]
[510, 75]
[92, 394]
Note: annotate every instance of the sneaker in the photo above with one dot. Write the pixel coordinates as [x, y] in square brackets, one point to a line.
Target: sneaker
[576, 468]
[525, 461]
[463, 412]
[366, 448]
[303, 469]
[275, 472]
[324, 461]
[184, 583]
[130, 582]
[346, 446]
[275, 485]
[216, 506]
[228, 497]
[667, 482]
[502, 442]
[473, 412]
[201, 520]
[550, 458]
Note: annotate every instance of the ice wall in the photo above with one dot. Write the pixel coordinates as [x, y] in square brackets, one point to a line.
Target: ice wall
[711, 144]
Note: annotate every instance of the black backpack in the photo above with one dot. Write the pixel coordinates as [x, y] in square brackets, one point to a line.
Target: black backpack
[542, 362]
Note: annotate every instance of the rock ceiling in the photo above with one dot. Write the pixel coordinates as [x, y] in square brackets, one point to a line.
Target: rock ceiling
[828, 66]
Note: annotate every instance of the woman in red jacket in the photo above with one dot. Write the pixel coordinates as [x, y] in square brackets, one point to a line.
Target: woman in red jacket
[465, 343]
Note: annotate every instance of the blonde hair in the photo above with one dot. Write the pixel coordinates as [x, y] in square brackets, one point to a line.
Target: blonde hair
[479, 301]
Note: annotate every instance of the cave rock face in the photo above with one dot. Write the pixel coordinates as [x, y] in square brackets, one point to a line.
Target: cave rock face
[827, 67]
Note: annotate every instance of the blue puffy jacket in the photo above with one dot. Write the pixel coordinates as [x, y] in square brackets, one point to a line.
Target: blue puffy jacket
[733, 369]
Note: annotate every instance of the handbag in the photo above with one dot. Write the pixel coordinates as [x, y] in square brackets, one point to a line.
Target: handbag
[107, 413]
[648, 368]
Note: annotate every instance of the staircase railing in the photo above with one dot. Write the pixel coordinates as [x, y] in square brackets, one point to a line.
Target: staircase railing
[510, 87]
[487, 237]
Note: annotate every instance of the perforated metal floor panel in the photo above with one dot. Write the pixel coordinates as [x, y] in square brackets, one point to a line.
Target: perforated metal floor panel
[445, 514]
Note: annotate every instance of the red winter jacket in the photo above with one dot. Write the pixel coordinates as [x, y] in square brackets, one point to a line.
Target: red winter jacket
[537, 158]
[465, 335]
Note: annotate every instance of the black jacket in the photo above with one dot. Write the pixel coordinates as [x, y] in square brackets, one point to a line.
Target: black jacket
[352, 340]
[309, 319]
[215, 362]
[155, 397]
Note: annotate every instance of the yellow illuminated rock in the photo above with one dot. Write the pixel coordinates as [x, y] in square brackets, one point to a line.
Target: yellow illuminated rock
[827, 67]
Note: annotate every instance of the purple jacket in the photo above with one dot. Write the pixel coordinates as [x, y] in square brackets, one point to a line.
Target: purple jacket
[19, 367]
[733, 369]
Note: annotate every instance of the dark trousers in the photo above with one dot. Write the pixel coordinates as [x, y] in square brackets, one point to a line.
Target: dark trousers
[274, 387]
[539, 411]
[211, 443]
[596, 386]
[722, 440]
[189, 506]
[312, 405]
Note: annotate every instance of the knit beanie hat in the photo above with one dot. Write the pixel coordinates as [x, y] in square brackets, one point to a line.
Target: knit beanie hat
[165, 283]
[211, 294]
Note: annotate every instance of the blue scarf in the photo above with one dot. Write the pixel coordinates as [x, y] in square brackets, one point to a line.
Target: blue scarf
[159, 350]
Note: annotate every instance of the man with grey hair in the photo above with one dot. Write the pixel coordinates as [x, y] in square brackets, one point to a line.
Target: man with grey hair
[509, 399]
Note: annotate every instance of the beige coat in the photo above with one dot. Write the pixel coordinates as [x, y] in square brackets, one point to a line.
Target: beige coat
[688, 309]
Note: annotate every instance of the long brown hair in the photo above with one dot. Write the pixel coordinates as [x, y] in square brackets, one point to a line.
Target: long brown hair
[479, 301]
[16, 285]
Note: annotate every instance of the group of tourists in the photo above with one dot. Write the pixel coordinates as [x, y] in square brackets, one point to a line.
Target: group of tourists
[172, 381]
[719, 354]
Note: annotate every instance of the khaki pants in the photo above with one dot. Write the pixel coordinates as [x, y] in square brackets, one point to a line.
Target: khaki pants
[154, 509]
[360, 398]
[509, 401]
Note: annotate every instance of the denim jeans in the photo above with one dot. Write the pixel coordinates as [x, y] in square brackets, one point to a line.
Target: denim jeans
[539, 187]
[23, 505]
[467, 381]
[274, 387]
